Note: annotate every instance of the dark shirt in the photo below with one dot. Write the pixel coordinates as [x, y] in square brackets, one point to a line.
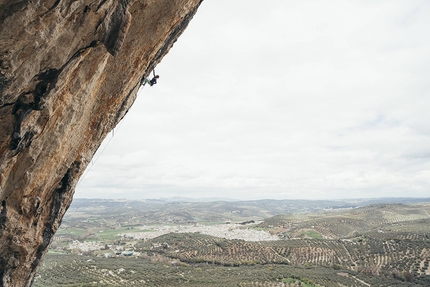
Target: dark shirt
[153, 81]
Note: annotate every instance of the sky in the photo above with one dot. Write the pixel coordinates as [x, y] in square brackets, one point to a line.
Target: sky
[280, 99]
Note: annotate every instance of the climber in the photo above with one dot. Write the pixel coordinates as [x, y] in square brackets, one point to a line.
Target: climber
[151, 82]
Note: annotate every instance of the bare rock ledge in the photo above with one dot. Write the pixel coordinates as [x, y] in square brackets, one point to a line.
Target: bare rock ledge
[69, 72]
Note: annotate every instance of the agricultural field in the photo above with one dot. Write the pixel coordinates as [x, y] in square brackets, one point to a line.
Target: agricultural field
[374, 245]
[74, 270]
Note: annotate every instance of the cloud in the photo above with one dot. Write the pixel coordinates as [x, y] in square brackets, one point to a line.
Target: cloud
[296, 99]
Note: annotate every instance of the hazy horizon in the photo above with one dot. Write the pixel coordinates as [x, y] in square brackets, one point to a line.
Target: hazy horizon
[213, 199]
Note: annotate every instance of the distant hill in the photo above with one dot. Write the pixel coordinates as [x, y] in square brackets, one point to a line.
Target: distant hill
[182, 211]
[382, 244]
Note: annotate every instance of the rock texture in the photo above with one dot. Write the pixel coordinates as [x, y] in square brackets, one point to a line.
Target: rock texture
[69, 72]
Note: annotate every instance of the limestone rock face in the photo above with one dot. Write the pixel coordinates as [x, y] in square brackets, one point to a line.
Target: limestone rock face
[69, 72]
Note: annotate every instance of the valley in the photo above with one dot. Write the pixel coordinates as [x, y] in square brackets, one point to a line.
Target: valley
[255, 243]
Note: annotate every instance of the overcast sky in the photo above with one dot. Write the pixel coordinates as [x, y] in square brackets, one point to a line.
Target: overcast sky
[281, 99]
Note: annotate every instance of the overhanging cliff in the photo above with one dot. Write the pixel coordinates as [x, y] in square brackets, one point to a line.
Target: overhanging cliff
[69, 71]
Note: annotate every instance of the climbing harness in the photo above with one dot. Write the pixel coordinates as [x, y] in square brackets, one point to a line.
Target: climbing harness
[151, 82]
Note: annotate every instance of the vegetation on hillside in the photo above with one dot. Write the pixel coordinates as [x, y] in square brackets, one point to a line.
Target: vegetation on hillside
[377, 245]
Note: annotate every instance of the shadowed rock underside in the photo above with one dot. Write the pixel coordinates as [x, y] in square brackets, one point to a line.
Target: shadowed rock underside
[69, 72]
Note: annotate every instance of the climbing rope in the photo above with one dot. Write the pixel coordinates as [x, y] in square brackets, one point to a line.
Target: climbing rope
[93, 162]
